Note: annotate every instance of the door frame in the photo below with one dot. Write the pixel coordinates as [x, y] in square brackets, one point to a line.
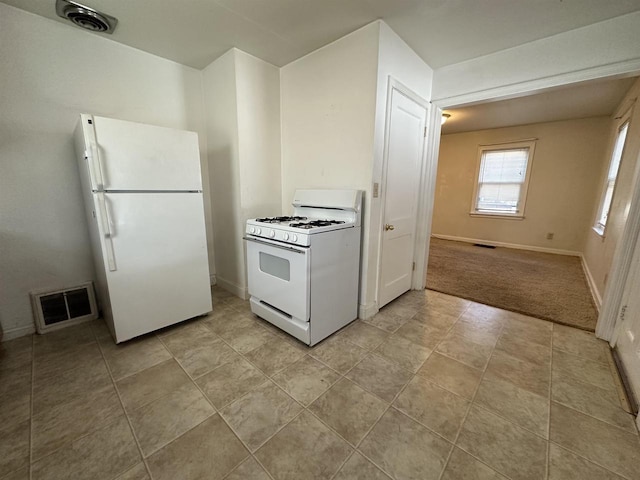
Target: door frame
[426, 185]
[619, 270]
[607, 326]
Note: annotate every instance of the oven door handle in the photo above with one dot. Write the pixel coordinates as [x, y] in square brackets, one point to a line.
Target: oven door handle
[283, 247]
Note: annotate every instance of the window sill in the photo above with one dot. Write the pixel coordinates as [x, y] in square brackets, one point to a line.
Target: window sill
[502, 216]
[599, 231]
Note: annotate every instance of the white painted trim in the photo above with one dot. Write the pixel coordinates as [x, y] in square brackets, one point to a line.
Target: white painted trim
[367, 311]
[509, 245]
[426, 199]
[606, 328]
[597, 298]
[212, 279]
[539, 84]
[231, 287]
[18, 332]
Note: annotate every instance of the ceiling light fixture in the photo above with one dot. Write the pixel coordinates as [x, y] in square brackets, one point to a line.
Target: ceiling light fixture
[445, 117]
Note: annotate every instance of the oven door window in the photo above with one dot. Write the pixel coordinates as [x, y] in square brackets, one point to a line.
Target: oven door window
[276, 266]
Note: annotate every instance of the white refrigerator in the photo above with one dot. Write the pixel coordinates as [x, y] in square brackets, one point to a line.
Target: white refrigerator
[143, 195]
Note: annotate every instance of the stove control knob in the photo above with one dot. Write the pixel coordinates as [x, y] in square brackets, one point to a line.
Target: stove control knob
[286, 236]
[258, 231]
[272, 234]
[252, 230]
[294, 237]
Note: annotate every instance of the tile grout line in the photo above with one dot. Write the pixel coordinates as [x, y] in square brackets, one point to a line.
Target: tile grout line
[591, 386]
[126, 415]
[569, 449]
[492, 412]
[216, 410]
[589, 460]
[60, 448]
[306, 408]
[471, 404]
[414, 375]
[340, 376]
[31, 402]
[398, 394]
[499, 415]
[173, 357]
[548, 464]
[344, 376]
[608, 423]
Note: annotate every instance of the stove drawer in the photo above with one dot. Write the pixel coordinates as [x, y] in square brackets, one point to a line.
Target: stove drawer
[279, 275]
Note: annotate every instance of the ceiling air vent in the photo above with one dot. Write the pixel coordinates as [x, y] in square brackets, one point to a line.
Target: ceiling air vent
[86, 17]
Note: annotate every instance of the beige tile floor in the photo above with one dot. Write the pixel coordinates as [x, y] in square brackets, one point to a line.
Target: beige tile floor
[433, 387]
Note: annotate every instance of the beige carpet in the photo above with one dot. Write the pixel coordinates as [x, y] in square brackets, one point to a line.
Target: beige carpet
[542, 285]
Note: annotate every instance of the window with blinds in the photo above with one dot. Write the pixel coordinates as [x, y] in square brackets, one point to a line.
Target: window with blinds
[502, 179]
[610, 185]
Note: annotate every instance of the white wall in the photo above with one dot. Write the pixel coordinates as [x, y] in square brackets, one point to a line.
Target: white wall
[599, 251]
[258, 87]
[395, 59]
[606, 48]
[328, 119]
[333, 117]
[50, 74]
[328, 105]
[242, 103]
[221, 112]
[564, 181]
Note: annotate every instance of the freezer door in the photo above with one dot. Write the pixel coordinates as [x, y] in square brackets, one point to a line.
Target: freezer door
[135, 156]
[159, 272]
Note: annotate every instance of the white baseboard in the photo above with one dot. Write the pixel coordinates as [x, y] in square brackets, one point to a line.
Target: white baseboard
[508, 245]
[597, 298]
[212, 279]
[18, 332]
[367, 311]
[231, 287]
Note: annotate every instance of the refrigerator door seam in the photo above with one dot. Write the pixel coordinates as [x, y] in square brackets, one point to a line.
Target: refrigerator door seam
[147, 191]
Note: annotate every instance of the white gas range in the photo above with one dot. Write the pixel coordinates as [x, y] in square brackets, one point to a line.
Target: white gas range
[303, 270]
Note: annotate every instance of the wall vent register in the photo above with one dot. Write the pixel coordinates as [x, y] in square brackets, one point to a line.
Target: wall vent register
[61, 308]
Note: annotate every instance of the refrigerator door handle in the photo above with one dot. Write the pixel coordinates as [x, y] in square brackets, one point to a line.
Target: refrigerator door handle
[107, 232]
[109, 217]
[94, 158]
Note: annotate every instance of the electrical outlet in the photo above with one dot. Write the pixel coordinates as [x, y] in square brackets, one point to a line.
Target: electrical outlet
[550, 236]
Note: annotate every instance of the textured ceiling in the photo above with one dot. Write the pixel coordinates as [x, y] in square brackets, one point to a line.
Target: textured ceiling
[442, 32]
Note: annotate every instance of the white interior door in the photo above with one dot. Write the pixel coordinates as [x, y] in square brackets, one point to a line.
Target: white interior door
[161, 269]
[135, 156]
[404, 154]
[628, 339]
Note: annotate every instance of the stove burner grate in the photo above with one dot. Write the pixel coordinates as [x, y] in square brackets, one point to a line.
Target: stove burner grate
[279, 219]
[315, 224]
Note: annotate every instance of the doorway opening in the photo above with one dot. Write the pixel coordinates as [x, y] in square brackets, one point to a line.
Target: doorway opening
[540, 208]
